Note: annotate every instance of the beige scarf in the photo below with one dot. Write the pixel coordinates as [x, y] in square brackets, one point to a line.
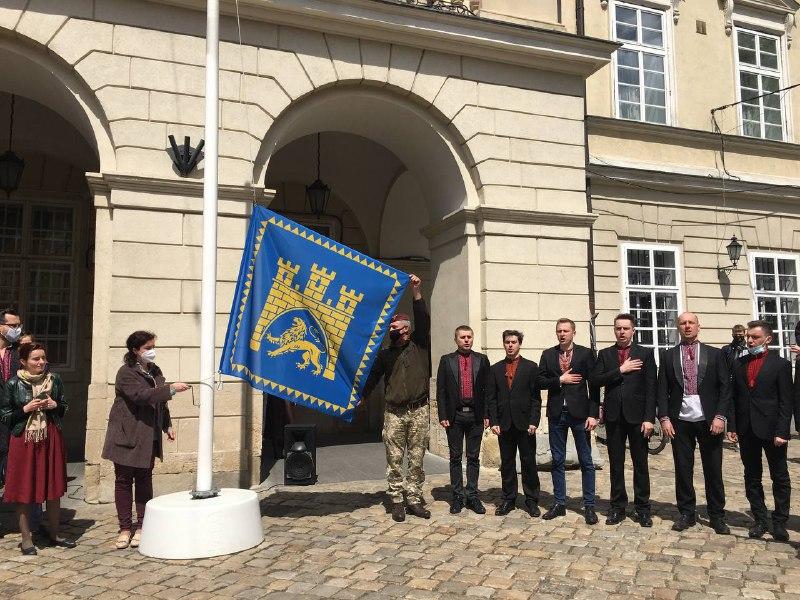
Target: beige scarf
[36, 427]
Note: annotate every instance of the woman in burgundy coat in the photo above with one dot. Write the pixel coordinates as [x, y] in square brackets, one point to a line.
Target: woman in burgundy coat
[137, 419]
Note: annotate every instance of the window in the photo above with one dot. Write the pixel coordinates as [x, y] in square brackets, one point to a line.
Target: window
[652, 292]
[759, 73]
[641, 64]
[777, 300]
[36, 271]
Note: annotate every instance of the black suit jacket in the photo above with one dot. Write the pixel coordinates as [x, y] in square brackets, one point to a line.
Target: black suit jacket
[797, 396]
[629, 395]
[713, 383]
[582, 399]
[767, 408]
[448, 385]
[520, 406]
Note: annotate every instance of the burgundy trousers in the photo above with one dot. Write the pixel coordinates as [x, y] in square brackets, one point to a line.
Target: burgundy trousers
[126, 480]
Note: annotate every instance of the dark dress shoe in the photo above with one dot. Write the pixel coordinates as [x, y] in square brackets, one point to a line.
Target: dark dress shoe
[719, 527]
[557, 510]
[615, 516]
[476, 506]
[456, 505]
[398, 512]
[779, 533]
[506, 507]
[684, 522]
[589, 515]
[419, 511]
[61, 543]
[758, 530]
[644, 519]
[29, 551]
[533, 509]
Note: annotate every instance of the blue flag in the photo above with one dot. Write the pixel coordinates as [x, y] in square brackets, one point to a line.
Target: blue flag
[308, 315]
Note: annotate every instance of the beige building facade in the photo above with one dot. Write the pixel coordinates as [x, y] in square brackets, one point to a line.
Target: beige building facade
[454, 146]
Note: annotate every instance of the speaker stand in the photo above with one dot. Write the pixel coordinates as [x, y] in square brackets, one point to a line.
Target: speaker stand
[177, 526]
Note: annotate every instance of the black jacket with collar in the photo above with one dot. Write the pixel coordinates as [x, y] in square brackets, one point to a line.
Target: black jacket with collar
[519, 407]
[582, 399]
[632, 395]
[713, 383]
[448, 386]
[767, 408]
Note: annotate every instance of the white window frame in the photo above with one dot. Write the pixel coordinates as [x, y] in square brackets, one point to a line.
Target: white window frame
[777, 343]
[677, 288]
[669, 64]
[781, 74]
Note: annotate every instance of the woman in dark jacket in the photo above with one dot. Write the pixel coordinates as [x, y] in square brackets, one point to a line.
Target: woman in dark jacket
[32, 408]
[138, 417]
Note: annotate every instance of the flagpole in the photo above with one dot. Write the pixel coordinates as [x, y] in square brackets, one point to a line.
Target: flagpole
[207, 521]
[208, 306]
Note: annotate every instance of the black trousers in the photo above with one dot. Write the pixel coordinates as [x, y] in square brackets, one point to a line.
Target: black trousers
[463, 428]
[687, 437]
[511, 442]
[617, 434]
[750, 448]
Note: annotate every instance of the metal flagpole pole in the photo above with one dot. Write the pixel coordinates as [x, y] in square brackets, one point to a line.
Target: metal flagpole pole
[208, 308]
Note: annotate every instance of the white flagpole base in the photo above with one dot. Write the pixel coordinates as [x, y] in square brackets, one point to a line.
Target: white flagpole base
[178, 527]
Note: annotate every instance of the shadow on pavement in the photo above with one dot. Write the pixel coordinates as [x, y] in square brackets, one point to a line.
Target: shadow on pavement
[317, 504]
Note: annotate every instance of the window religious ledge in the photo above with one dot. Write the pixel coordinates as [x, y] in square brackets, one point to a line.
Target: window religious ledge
[776, 15]
[674, 5]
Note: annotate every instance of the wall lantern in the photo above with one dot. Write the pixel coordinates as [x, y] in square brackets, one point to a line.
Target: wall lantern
[318, 193]
[734, 249]
[11, 165]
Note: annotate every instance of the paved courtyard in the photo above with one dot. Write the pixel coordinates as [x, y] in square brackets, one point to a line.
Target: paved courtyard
[338, 541]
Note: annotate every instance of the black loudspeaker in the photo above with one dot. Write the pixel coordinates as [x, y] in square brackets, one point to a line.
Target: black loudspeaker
[300, 454]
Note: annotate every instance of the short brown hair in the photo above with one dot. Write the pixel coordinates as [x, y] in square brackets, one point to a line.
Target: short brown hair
[25, 350]
[464, 328]
[625, 317]
[565, 320]
[512, 332]
[765, 327]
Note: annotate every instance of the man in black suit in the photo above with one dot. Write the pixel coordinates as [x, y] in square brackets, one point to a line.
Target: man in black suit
[571, 405]
[461, 400]
[693, 396]
[763, 401]
[628, 371]
[515, 406]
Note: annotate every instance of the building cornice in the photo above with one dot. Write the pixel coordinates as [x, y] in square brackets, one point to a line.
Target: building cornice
[678, 135]
[392, 22]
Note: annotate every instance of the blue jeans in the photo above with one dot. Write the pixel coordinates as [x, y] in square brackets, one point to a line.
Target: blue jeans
[558, 447]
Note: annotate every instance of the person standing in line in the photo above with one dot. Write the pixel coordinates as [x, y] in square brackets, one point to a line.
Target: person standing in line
[737, 347]
[461, 403]
[693, 397]
[572, 405]
[138, 419]
[628, 372]
[404, 367]
[515, 407]
[761, 415]
[10, 332]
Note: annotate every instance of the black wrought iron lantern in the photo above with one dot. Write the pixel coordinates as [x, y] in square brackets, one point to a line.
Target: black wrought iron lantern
[11, 165]
[318, 193]
[734, 250]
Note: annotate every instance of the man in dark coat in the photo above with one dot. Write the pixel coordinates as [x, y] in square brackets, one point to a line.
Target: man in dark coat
[693, 397]
[761, 415]
[10, 330]
[628, 372]
[572, 405]
[515, 407]
[461, 403]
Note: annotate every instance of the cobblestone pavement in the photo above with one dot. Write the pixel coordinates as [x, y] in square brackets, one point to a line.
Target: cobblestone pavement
[338, 541]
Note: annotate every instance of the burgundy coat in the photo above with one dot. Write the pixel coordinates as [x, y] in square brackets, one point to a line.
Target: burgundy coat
[138, 417]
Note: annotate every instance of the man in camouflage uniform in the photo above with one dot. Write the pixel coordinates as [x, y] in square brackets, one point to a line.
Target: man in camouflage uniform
[405, 369]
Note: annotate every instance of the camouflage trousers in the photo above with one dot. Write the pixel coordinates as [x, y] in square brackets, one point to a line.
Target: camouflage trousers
[405, 433]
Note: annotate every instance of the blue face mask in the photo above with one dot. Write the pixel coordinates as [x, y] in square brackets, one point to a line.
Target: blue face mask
[756, 350]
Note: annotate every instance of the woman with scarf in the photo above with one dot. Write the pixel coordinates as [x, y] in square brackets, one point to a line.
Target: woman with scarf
[138, 417]
[32, 409]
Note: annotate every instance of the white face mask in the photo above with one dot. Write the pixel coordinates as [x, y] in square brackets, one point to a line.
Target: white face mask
[13, 334]
[756, 350]
[148, 356]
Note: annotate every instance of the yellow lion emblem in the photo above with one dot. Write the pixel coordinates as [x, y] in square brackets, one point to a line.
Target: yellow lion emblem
[294, 340]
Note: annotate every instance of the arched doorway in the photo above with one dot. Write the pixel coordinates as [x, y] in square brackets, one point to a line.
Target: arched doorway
[394, 171]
